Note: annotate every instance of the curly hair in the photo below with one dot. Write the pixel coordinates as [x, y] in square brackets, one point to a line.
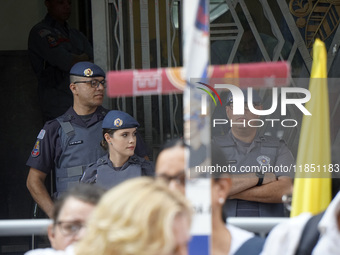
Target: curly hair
[135, 217]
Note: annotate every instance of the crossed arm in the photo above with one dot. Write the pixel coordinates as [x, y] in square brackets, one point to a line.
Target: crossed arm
[271, 191]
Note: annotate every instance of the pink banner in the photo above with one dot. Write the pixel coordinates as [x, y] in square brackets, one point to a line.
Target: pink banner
[170, 80]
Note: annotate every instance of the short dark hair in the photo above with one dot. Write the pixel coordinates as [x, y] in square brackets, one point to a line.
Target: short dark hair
[173, 143]
[87, 193]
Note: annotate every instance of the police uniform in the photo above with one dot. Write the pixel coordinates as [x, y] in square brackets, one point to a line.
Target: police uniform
[262, 151]
[50, 47]
[71, 142]
[68, 149]
[103, 173]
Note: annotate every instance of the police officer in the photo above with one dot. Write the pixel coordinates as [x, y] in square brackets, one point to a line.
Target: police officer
[70, 142]
[53, 49]
[121, 163]
[254, 193]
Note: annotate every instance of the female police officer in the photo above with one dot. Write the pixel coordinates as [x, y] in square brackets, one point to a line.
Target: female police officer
[121, 163]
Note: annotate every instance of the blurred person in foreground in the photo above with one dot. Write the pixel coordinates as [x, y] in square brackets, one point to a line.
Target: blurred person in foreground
[71, 213]
[307, 234]
[225, 238]
[139, 216]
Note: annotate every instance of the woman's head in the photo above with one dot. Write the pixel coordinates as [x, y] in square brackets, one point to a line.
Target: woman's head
[70, 214]
[119, 133]
[139, 216]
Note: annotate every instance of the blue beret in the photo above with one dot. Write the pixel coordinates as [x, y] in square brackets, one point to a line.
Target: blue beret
[119, 120]
[87, 69]
[256, 97]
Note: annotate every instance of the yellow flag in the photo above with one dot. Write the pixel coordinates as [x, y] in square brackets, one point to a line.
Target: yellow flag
[312, 184]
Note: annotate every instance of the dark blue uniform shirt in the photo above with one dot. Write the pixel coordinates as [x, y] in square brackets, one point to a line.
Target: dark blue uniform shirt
[51, 46]
[47, 150]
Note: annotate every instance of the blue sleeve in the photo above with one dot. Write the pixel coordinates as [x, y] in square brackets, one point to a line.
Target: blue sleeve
[47, 149]
[44, 43]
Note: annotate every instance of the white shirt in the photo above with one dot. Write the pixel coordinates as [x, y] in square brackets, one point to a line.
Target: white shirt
[49, 251]
[285, 237]
[238, 237]
[329, 241]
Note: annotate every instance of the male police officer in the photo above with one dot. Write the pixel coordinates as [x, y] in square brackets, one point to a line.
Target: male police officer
[53, 49]
[72, 141]
[254, 194]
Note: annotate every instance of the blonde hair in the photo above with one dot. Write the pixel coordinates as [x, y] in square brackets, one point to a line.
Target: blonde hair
[135, 217]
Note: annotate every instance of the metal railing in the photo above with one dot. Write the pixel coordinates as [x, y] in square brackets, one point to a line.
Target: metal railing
[39, 226]
[24, 227]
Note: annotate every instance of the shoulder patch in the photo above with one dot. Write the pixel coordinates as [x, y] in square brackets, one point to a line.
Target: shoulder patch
[263, 160]
[52, 41]
[44, 32]
[41, 134]
[36, 149]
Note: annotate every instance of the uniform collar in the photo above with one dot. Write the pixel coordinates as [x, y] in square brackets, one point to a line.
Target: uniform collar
[134, 159]
[71, 116]
[256, 138]
[247, 146]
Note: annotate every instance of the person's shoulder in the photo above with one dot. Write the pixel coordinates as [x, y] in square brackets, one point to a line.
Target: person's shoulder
[51, 125]
[238, 237]
[102, 111]
[286, 234]
[223, 140]
[268, 138]
[48, 251]
[142, 161]
[104, 160]
[272, 140]
[42, 28]
[148, 167]
[138, 160]
[70, 115]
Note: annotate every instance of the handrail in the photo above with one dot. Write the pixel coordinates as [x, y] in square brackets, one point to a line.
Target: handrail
[39, 226]
[24, 227]
[257, 225]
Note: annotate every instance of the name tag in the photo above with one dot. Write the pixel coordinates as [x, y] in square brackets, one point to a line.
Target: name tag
[76, 142]
[232, 161]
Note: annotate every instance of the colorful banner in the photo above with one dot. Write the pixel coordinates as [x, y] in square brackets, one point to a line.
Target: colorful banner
[172, 80]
